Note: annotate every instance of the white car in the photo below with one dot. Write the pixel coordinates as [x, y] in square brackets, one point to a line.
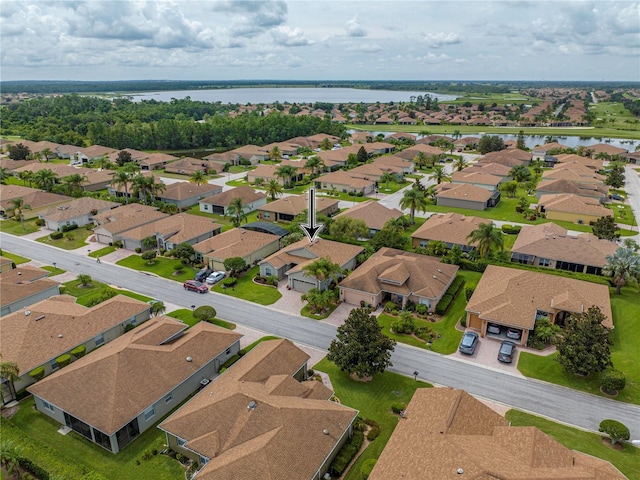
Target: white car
[215, 277]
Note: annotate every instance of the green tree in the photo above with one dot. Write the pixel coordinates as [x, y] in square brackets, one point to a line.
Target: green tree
[234, 265]
[413, 199]
[198, 177]
[420, 160]
[386, 177]
[520, 144]
[18, 207]
[583, 346]
[123, 158]
[326, 144]
[275, 155]
[45, 179]
[360, 347]
[26, 176]
[460, 164]
[612, 381]
[205, 313]
[622, 266]
[348, 229]
[75, 183]
[439, 175]
[10, 455]
[19, 151]
[315, 164]
[11, 373]
[392, 235]
[323, 269]
[122, 178]
[617, 431]
[615, 177]
[84, 280]
[286, 172]
[318, 300]
[157, 308]
[490, 143]
[510, 188]
[605, 228]
[149, 256]
[274, 189]
[520, 173]
[184, 250]
[362, 156]
[4, 175]
[148, 243]
[486, 237]
[236, 212]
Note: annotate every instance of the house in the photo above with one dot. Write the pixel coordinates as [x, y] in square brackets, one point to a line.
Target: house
[540, 151]
[398, 276]
[411, 152]
[509, 157]
[287, 208]
[114, 394]
[24, 286]
[407, 166]
[450, 228]
[477, 179]
[572, 208]
[516, 298]
[605, 149]
[466, 143]
[190, 165]
[219, 203]
[461, 437]
[94, 179]
[374, 214]
[249, 245]
[592, 191]
[549, 245]
[291, 260]
[335, 159]
[171, 231]
[574, 172]
[592, 163]
[155, 161]
[219, 160]
[266, 173]
[376, 171]
[186, 194]
[362, 137]
[253, 153]
[495, 169]
[38, 200]
[109, 225]
[82, 156]
[402, 136]
[79, 211]
[345, 182]
[259, 419]
[38, 336]
[318, 138]
[466, 196]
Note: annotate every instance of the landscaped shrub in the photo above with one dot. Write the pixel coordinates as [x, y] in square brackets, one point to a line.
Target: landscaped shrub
[374, 431]
[148, 256]
[32, 468]
[118, 244]
[398, 407]
[367, 468]
[68, 228]
[63, 360]
[468, 292]
[56, 235]
[389, 306]
[612, 381]
[472, 266]
[616, 430]
[421, 309]
[348, 451]
[511, 229]
[40, 222]
[426, 333]
[230, 282]
[79, 351]
[138, 250]
[444, 304]
[37, 373]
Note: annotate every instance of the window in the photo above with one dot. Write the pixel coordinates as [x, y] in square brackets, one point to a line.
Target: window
[149, 412]
[203, 460]
[181, 441]
[544, 262]
[47, 406]
[423, 243]
[99, 340]
[54, 365]
[267, 271]
[228, 351]
[267, 215]
[168, 398]
[206, 206]
[133, 321]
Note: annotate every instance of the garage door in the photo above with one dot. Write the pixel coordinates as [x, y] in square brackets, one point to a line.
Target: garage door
[300, 286]
[354, 298]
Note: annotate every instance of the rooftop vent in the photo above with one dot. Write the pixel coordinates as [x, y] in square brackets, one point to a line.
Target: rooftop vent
[325, 431]
[460, 471]
[439, 271]
[37, 318]
[27, 313]
[434, 276]
[189, 359]
[60, 335]
[252, 405]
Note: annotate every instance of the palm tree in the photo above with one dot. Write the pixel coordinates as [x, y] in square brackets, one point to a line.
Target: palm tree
[74, 183]
[146, 187]
[10, 455]
[18, 208]
[440, 175]
[315, 164]
[45, 179]
[274, 189]
[103, 162]
[157, 308]
[456, 134]
[26, 176]
[486, 236]
[622, 266]
[4, 174]
[275, 154]
[198, 178]
[84, 280]
[46, 153]
[286, 172]
[460, 164]
[235, 210]
[323, 269]
[131, 167]
[10, 372]
[420, 160]
[414, 199]
[122, 178]
[156, 187]
[386, 177]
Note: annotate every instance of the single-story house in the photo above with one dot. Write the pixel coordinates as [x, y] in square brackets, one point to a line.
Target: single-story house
[464, 143]
[82, 156]
[412, 152]
[38, 200]
[36, 337]
[594, 164]
[79, 211]
[95, 179]
[24, 286]
[477, 179]
[249, 245]
[219, 160]
[288, 208]
[219, 203]
[398, 276]
[515, 298]
[261, 418]
[539, 151]
[509, 157]
[375, 171]
[318, 138]
[266, 173]
[190, 165]
[345, 182]
[253, 153]
[556, 186]
[450, 228]
[373, 213]
[495, 169]
[467, 196]
[187, 194]
[572, 208]
[549, 245]
[155, 161]
[171, 231]
[109, 225]
[575, 172]
[291, 260]
[142, 376]
[606, 148]
[461, 437]
[407, 166]
[335, 159]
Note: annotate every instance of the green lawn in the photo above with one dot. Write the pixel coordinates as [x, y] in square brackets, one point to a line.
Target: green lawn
[102, 252]
[252, 292]
[69, 241]
[162, 266]
[373, 400]
[84, 295]
[17, 259]
[15, 227]
[187, 317]
[87, 456]
[53, 270]
[622, 214]
[222, 220]
[626, 460]
[625, 337]
[313, 316]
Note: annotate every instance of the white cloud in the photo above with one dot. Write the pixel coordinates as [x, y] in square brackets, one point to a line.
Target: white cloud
[436, 40]
[289, 37]
[354, 29]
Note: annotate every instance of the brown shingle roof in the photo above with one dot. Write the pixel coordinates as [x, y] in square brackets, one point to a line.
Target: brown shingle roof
[127, 217]
[236, 242]
[22, 282]
[373, 213]
[76, 208]
[246, 193]
[296, 204]
[177, 229]
[185, 190]
[340, 177]
[464, 191]
[449, 228]
[115, 383]
[300, 253]
[566, 202]
[510, 296]
[475, 177]
[33, 197]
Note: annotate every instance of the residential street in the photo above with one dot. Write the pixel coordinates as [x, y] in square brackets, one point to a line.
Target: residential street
[538, 397]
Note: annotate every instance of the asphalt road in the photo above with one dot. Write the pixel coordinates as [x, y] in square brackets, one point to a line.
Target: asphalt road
[559, 403]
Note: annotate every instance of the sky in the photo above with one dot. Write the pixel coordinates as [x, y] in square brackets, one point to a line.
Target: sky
[320, 40]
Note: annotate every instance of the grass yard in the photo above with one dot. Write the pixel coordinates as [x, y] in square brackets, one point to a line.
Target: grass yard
[252, 292]
[17, 259]
[373, 400]
[224, 221]
[126, 465]
[102, 252]
[161, 266]
[313, 316]
[84, 295]
[346, 197]
[14, 227]
[626, 460]
[69, 241]
[53, 270]
[622, 214]
[624, 353]
[186, 315]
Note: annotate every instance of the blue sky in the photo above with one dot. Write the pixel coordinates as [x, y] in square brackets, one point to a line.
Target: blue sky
[309, 40]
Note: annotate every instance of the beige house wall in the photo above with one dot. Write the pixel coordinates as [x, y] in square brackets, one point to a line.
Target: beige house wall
[571, 217]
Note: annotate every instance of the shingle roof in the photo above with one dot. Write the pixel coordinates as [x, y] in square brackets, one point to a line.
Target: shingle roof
[33, 197]
[127, 217]
[22, 282]
[296, 204]
[373, 213]
[177, 229]
[300, 253]
[246, 193]
[449, 228]
[464, 191]
[491, 168]
[236, 242]
[512, 296]
[567, 202]
[185, 190]
[112, 385]
[340, 177]
[456, 431]
[76, 208]
[475, 177]
[57, 325]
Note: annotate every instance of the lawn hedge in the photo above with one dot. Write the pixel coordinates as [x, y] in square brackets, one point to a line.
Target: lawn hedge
[347, 453]
[37, 373]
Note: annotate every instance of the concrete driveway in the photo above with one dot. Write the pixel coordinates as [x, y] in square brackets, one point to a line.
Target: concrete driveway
[486, 354]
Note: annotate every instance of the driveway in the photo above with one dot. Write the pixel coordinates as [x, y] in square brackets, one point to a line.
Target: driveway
[486, 354]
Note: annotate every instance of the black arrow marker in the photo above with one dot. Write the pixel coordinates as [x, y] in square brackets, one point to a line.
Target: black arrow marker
[311, 230]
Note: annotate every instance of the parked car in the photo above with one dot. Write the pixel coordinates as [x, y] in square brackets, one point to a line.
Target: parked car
[514, 333]
[468, 343]
[615, 196]
[507, 351]
[493, 328]
[195, 286]
[202, 275]
[215, 277]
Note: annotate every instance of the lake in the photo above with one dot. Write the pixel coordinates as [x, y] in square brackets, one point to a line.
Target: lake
[290, 95]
